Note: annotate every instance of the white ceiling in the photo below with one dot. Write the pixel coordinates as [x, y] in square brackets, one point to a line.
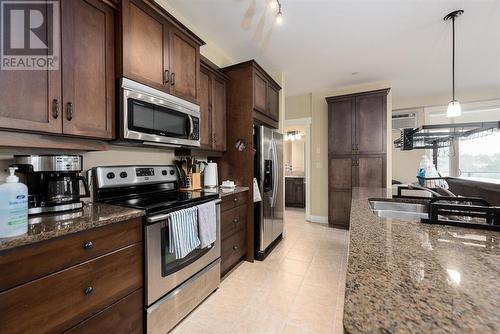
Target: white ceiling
[322, 42]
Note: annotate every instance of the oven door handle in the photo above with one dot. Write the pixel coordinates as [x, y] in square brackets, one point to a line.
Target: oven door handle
[164, 216]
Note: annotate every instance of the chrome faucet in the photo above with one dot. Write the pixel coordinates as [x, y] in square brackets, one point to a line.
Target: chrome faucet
[434, 193]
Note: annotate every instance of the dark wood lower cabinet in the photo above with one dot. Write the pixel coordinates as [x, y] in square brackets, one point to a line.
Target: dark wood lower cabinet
[295, 192]
[234, 223]
[339, 208]
[64, 285]
[123, 317]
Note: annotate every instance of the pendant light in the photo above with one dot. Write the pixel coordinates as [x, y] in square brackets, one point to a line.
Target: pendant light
[454, 108]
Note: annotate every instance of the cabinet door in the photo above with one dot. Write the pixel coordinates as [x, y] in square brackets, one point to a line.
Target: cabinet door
[371, 119]
[341, 175]
[339, 208]
[340, 126]
[31, 100]
[259, 92]
[145, 45]
[300, 188]
[205, 99]
[88, 68]
[219, 113]
[184, 66]
[273, 95]
[370, 171]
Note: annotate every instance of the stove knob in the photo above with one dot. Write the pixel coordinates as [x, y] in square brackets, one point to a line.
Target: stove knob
[163, 172]
[110, 175]
[123, 175]
[172, 172]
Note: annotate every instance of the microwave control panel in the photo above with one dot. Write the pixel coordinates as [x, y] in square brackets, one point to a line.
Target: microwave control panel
[196, 129]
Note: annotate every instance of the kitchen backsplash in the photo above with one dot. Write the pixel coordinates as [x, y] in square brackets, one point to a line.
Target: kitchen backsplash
[116, 155]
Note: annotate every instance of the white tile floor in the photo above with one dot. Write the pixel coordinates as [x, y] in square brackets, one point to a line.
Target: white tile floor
[299, 288]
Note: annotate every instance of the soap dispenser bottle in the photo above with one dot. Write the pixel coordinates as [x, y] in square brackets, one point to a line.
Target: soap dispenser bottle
[13, 206]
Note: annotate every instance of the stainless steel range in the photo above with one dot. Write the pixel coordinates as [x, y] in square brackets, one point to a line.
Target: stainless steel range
[174, 287]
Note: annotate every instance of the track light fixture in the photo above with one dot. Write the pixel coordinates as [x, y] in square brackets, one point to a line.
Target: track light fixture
[275, 5]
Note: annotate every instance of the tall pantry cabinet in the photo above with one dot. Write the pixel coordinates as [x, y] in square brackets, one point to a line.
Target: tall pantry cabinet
[357, 154]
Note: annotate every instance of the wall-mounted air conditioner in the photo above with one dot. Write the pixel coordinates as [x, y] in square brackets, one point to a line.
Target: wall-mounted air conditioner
[403, 120]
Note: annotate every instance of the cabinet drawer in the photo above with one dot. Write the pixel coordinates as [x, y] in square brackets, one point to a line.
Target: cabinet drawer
[233, 249]
[30, 262]
[123, 317]
[59, 301]
[233, 220]
[232, 201]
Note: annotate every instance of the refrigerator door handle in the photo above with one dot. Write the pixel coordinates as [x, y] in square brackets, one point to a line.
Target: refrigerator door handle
[275, 172]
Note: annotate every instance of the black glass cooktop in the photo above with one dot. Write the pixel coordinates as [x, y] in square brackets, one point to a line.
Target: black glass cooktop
[164, 202]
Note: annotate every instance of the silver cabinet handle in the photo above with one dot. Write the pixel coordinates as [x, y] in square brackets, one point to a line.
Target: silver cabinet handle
[172, 79]
[55, 108]
[167, 76]
[69, 111]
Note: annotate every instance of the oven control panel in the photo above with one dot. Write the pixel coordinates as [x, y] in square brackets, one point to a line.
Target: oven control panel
[120, 176]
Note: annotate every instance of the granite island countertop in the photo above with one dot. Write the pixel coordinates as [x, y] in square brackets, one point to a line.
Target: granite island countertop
[50, 226]
[409, 277]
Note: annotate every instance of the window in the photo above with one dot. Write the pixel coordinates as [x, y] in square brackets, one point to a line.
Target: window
[476, 157]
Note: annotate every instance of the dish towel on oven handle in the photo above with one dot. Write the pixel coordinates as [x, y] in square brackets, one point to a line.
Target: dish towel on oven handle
[207, 222]
[183, 232]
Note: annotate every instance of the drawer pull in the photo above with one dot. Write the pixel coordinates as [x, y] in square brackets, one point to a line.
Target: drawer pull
[88, 245]
[236, 220]
[88, 290]
[235, 199]
[235, 247]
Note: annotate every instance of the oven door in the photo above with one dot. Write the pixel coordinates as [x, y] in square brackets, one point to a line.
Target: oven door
[153, 116]
[163, 272]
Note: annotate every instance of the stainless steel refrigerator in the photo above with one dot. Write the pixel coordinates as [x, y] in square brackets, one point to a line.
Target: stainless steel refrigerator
[268, 170]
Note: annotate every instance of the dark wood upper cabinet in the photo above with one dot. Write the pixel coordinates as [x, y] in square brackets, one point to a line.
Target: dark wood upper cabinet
[184, 66]
[78, 99]
[219, 113]
[212, 98]
[260, 88]
[88, 72]
[273, 104]
[371, 118]
[356, 148]
[158, 51]
[340, 124]
[31, 100]
[145, 45]
[260, 92]
[205, 106]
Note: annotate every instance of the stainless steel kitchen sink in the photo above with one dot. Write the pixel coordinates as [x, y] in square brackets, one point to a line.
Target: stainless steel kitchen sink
[399, 210]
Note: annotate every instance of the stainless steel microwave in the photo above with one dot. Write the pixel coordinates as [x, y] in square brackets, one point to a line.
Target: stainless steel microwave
[152, 117]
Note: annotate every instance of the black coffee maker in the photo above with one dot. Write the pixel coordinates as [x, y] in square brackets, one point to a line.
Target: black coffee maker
[53, 182]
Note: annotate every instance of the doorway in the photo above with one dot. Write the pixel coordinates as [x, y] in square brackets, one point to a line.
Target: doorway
[296, 159]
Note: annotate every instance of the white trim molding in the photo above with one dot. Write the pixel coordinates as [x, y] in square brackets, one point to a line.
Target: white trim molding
[317, 219]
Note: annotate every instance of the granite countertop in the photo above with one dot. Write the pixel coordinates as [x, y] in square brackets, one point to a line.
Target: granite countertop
[409, 277]
[49, 226]
[226, 192]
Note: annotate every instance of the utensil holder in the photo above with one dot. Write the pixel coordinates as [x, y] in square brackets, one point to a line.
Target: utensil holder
[192, 182]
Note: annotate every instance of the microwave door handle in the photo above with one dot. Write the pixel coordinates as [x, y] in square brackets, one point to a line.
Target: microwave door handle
[191, 126]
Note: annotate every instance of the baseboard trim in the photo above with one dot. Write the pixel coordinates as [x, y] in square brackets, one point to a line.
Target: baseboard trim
[317, 219]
